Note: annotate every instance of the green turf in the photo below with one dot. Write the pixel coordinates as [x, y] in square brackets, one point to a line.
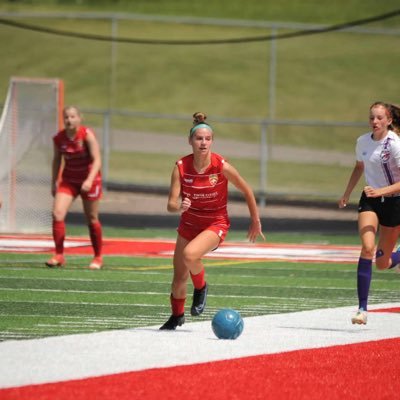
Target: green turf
[133, 292]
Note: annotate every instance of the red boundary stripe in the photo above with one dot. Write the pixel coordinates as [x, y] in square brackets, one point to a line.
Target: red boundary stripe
[367, 371]
[388, 310]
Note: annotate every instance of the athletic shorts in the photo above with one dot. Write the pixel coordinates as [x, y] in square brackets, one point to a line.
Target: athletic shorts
[387, 209]
[74, 190]
[189, 231]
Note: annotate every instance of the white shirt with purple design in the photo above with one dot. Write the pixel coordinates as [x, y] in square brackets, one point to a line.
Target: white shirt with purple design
[381, 159]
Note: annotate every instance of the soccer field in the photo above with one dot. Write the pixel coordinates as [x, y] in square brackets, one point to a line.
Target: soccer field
[132, 290]
[72, 333]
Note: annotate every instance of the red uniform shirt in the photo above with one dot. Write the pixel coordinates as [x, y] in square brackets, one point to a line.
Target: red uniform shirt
[208, 192]
[75, 152]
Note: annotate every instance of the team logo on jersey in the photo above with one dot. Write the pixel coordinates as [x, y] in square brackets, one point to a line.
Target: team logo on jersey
[213, 178]
[385, 155]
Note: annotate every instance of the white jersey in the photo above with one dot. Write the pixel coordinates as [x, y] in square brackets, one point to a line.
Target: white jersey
[381, 159]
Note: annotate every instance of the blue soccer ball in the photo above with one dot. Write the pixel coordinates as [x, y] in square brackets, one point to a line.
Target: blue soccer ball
[227, 324]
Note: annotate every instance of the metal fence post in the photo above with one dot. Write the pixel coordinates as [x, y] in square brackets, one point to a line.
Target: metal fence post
[106, 147]
[263, 166]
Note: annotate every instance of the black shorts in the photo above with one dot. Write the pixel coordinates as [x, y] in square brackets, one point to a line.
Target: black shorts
[387, 209]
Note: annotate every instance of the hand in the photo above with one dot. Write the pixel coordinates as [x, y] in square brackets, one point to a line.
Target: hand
[185, 205]
[86, 185]
[371, 192]
[342, 203]
[255, 230]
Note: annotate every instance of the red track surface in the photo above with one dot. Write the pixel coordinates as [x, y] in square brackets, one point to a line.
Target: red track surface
[367, 371]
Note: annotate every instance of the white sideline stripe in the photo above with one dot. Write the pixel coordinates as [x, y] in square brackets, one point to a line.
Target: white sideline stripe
[8, 244]
[299, 253]
[229, 250]
[81, 356]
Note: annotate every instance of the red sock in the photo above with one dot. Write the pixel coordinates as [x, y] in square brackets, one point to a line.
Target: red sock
[177, 305]
[96, 237]
[59, 236]
[198, 280]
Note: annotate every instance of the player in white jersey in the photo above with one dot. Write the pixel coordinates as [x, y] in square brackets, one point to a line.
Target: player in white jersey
[378, 158]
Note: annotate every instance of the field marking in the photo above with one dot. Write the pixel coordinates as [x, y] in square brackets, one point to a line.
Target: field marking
[60, 358]
[165, 249]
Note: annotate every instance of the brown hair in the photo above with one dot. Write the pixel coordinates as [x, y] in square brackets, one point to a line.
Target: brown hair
[386, 106]
[395, 113]
[199, 118]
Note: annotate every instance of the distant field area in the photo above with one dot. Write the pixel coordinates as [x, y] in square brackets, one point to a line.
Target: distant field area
[327, 77]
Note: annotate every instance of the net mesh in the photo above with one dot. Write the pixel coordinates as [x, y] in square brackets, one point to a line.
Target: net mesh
[30, 118]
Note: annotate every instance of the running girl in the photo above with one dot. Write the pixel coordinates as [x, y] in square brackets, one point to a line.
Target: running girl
[199, 191]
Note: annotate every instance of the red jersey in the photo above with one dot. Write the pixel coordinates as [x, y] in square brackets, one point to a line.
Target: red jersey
[208, 191]
[75, 152]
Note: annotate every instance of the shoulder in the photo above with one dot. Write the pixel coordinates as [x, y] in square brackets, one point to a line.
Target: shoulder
[59, 136]
[366, 137]
[394, 136]
[84, 132]
[185, 160]
[217, 159]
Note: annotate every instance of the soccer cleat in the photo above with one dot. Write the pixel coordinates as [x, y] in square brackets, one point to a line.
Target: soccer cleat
[360, 317]
[96, 263]
[199, 301]
[173, 322]
[57, 260]
[396, 267]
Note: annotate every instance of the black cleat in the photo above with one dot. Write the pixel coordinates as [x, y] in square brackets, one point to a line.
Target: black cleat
[173, 322]
[199, 301]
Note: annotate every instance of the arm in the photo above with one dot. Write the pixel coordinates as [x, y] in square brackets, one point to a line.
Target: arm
[235, 178]
[55, 168]
[174, 202]
[94, 151]
[384, 191]
[355, 176]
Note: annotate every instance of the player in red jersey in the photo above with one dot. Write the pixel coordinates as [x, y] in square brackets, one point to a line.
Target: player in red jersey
[76, 172]
[199, 191]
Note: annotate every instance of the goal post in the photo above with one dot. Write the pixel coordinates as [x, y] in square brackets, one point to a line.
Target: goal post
[32, 114]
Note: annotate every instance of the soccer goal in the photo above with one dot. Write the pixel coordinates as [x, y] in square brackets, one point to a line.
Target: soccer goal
[31, 115]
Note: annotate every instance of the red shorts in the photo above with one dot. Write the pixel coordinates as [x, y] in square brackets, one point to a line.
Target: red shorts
[74, 190]
[189, 231]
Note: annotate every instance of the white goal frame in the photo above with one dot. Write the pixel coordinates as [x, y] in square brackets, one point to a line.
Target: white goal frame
[31, 115]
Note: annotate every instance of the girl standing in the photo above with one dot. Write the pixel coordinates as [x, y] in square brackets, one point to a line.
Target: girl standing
[77, 175]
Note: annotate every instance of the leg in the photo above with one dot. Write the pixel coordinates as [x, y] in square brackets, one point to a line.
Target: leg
[387, 241]
[368, 225]
[91, 209]
[203, 243]
[178, 287]
[62, 203]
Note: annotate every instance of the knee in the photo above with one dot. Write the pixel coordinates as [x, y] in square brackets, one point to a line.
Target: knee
[368, 252]
[92, 220]
[189, 256]
[58, 215]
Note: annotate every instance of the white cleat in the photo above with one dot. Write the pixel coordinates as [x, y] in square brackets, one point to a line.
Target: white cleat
[360, 317]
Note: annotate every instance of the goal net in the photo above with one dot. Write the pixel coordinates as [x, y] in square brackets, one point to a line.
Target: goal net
[31, 115]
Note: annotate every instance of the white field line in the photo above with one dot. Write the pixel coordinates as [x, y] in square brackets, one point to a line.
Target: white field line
[62, 358]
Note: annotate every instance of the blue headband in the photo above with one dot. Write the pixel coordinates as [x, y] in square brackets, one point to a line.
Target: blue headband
[198, 126]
